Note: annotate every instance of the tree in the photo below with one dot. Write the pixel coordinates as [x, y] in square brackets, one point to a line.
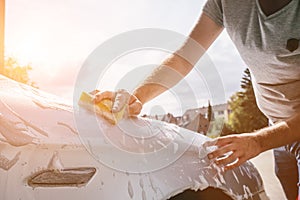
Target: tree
[13, 70]
[209, 112]
[216, 127]
[245, 115]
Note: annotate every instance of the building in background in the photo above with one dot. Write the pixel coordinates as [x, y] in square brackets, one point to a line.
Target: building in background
[218, 111]
[196, 119]
[198, 123]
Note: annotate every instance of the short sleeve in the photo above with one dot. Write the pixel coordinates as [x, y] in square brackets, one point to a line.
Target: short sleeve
[213, 9]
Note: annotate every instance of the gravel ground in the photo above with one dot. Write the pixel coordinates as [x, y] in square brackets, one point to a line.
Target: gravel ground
[265, 165]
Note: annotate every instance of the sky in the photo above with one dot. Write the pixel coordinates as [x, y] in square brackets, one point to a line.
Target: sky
[57, 36]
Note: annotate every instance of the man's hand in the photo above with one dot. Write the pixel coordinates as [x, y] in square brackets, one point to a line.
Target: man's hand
[234, 150]
[120, 99]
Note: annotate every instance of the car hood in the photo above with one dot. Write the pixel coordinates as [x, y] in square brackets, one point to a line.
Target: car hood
[140, 158]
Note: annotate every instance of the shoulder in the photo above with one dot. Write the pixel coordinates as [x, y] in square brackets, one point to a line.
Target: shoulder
[225, 12]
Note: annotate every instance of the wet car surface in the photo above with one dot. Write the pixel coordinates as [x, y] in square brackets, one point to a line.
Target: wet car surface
[50, 150]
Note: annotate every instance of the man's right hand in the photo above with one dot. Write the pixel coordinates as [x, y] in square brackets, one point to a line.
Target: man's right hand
[120, 99]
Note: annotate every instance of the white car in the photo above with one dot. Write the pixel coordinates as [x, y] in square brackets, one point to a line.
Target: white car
[49, 150]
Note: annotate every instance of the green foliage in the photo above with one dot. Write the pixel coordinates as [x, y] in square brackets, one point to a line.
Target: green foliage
[226, 130]
[13, 70]
[216, 127]
[245, 115]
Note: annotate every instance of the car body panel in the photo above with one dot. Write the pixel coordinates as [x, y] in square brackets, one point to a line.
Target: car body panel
[43, 139]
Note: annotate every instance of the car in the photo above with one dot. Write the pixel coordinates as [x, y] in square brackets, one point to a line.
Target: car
[50, 149]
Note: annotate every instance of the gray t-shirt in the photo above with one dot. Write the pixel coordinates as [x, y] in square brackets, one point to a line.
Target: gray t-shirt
[262, 43]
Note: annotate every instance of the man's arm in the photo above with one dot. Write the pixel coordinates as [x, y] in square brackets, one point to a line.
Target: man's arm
[171, 71]
[181, 62]
[280, 134]
[248, 145]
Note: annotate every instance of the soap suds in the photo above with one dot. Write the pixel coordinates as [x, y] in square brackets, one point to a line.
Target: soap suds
[7, 164]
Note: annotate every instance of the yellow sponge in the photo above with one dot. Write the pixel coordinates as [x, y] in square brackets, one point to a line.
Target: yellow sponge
[102, 108]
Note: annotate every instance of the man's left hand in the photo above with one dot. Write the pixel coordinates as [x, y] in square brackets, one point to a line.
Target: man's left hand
[234, 150]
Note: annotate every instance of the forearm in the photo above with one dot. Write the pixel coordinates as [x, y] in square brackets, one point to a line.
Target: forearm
[280, 134]
[171, 71]
[168, 74]
[181, 62]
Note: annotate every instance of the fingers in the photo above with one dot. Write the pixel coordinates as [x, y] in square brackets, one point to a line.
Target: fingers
[224, 145]
[103, 95]
[219, 142]
[94, 92]
[235, 164]
[133, 99]
[229, 159]
[120, 99]
[123, 98]
[135, 108]
[221, 151]
[229, 154]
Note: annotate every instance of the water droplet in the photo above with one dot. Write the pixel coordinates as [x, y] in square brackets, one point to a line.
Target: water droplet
[144, 195]
[130, 190]
[141, 182]
[161, 143]
[152, 185]
[217, 181]
[204, 182]
[196, 185]
[142, 140]
[55, 162]
[123, 140]
[175, 145]
[136, 141]
[247, 192]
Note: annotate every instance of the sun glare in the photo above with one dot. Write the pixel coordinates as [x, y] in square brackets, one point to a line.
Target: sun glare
[29, 49]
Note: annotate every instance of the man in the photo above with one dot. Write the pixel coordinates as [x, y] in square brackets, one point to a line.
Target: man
[266, 34]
